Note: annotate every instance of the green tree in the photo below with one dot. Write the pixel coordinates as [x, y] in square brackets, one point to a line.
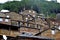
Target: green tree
[1, 6]
[13, 6]
[37, 5]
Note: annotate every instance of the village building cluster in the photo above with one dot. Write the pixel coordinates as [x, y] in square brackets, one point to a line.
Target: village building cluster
[28, 23]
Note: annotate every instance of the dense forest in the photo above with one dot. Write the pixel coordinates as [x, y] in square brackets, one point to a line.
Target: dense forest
[45, 7]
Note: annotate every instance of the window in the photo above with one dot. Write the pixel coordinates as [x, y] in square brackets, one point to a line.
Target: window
[7, 16]
[14, 23]
[17, 24]
[21, 23]
[33, 11]
[53, 32]
[33, 15]
[26, 19]
[29, 25]
[59, 27]
[1, 19]
[39, 27]
[26, 24]
[6, 20]
[29, 11]
[30, 18]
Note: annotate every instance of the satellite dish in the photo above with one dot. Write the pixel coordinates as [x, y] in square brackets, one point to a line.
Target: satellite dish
[4, 37]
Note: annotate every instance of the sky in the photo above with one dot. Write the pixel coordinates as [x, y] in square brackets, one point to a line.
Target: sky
[57, 1]
[3, 1]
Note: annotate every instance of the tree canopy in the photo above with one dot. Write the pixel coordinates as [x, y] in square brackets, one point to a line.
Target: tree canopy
[38, 5]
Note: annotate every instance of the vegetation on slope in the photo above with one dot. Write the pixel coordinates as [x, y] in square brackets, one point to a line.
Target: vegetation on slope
[50, 8]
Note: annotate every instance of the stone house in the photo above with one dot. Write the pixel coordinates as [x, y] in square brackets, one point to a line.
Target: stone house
[49, 33]
[5, 19]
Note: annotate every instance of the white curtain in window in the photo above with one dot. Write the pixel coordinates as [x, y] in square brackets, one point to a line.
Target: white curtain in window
[6, 20]
[53, 32]
[1, 19]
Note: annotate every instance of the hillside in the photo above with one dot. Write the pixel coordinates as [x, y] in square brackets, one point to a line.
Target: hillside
[47, 8]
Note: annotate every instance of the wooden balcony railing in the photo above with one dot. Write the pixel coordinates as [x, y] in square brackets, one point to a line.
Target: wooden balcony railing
[25, 24]
[19, 24]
